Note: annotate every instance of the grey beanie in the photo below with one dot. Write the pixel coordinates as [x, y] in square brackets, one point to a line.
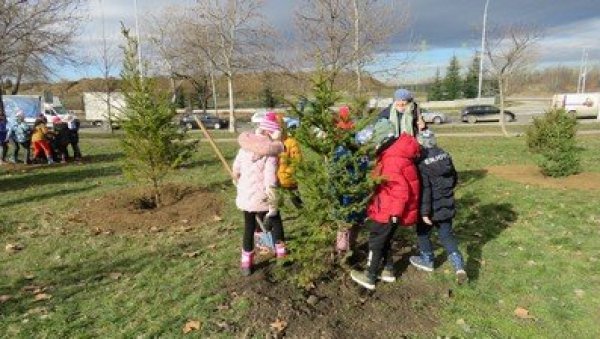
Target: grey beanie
[403, 94]
[427, 139]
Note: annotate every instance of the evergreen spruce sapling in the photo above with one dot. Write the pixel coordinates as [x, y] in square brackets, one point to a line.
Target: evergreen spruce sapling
[552, 138]
[471, 83]
[452, 87]
[435, 91]
[334, 179]
[152, 142]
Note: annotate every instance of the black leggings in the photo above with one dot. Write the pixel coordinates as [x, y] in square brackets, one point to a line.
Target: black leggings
[250, 225]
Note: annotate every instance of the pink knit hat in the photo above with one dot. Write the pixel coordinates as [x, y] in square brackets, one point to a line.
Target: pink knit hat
[56, 120]
[269, 123]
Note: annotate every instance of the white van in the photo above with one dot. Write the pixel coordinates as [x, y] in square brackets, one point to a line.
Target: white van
[582, 105]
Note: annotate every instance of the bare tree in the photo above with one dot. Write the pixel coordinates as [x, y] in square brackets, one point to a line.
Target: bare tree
[375, 22]
[43, 29]
[325, 28]
[347, 34]
[230, 34]
[509, 51]
[170, 43]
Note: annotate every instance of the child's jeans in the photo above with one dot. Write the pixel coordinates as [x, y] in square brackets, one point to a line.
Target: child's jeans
[445, 232]
[380, 241]
[250, 225]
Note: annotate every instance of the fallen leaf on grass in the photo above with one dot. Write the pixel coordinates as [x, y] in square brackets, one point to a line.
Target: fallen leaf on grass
[4, 298]
[279, 326]
[212, 246]
[36, 311]
[192, 325]
[523, 313]
[531, 263]
[217, 218]
[579, 293]
[465, 327]
[35, 289]
[223, 307]
[191, 254]
[115, 275]
[42, 297]
[13, 248]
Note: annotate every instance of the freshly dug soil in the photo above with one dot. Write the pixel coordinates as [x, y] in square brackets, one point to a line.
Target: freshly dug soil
[531, 175]
[133, 209]
[339, 308]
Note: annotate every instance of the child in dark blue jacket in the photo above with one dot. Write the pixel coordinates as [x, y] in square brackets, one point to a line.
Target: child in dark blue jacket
[438, 180]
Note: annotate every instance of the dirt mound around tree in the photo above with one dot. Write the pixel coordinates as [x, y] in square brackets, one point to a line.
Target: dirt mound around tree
[339, 308]
[133, 209]
[531, 175]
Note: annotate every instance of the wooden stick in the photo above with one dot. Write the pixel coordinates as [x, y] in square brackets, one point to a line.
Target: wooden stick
[214, 146]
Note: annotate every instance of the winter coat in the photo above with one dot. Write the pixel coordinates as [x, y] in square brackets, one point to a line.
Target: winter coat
[62, 134]
[3, 131]
[288, 160]
[385, 114]
[438, 179]
[256, 175]
[398, 195]
[20, 132]
[40, 131]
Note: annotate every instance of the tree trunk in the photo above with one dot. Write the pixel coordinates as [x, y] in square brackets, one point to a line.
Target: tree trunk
[501, 95]
[357, 47]
[214, 92]
[231, 108]
[17, 85]
[156, 188]
[109, 117]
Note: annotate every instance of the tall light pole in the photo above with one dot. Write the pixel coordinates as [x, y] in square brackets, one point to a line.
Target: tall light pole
[139, 38]
[481, 55]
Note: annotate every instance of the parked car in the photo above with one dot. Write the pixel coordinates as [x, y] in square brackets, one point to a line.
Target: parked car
[210, 121]
[291, 123]
[476, 113]
[434, 117]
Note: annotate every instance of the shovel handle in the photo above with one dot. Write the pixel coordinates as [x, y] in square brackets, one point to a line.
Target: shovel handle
[214, 146]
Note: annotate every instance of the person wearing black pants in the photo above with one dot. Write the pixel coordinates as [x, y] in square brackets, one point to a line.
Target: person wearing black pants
[380, 243]
[251, 225]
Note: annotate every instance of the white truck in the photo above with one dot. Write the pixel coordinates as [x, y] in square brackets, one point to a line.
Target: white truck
[99, 106]
[581, 105]
[32, 107]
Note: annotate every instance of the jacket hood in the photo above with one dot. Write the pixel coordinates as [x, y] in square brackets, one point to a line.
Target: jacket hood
[405, 146]
[259, 144]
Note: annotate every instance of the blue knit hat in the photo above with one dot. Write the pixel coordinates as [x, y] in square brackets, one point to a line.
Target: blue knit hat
[403, 94]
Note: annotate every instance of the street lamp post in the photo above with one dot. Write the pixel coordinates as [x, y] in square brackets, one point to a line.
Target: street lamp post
[482, 49]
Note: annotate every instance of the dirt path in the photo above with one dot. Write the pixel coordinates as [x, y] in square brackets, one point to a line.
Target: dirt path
[531, 175]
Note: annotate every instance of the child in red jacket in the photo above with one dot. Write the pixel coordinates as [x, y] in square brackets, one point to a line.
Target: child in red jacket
[395, 203]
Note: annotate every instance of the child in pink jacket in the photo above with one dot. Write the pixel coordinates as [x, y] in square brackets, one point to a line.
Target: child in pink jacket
[255, 173]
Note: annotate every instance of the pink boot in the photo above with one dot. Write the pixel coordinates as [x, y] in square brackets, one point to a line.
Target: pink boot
[280, 251]
[246, 263]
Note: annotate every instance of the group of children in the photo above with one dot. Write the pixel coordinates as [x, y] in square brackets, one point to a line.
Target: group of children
[48, 145]
[417, 188]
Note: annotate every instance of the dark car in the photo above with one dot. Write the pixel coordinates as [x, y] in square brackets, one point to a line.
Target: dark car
[473, 114]
[210, 121]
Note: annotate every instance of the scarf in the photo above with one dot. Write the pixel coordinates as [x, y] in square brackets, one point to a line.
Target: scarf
[405, 125]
